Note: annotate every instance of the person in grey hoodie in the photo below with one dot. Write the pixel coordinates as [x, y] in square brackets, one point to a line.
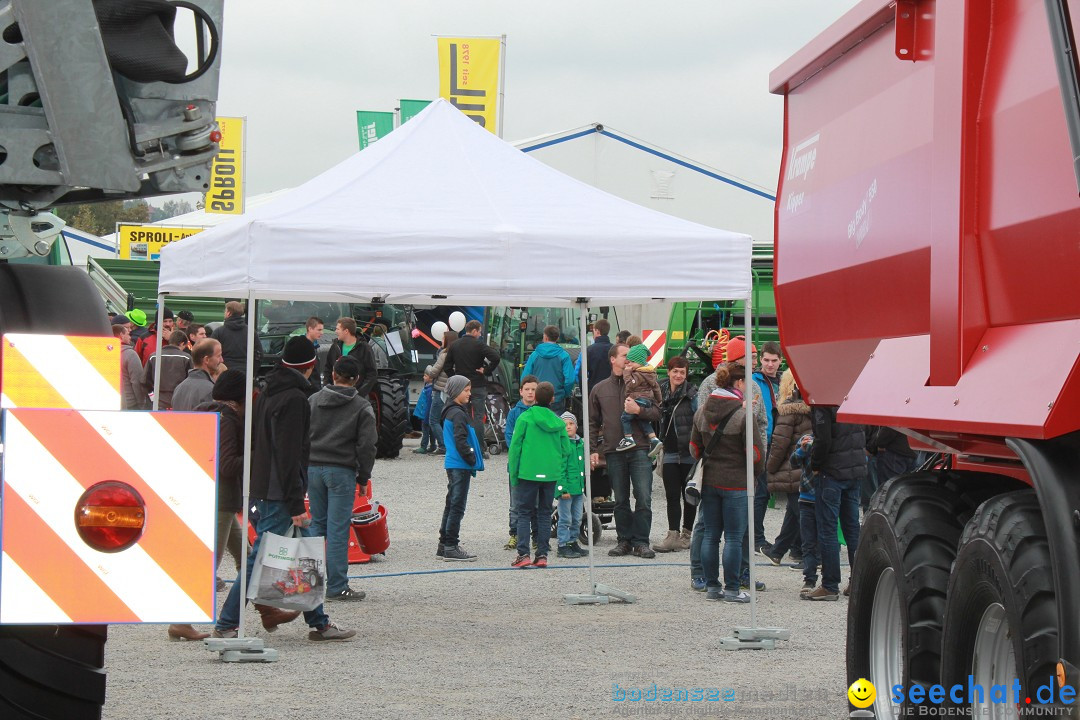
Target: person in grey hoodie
[343, 437]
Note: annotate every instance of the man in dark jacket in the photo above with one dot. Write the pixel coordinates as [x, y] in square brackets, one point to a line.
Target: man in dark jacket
[233, 338]
[474, 359]
[280, 450]
[599, 363]
[343, 436]
[838, 462]
[355, 346]
[175, 364]
[631, 468]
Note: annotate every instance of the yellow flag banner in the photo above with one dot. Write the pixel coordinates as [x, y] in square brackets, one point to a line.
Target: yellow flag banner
[226, 193]
[469, 77]
[144, 242]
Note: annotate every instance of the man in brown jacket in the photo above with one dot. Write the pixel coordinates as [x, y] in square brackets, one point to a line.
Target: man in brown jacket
[629, 469]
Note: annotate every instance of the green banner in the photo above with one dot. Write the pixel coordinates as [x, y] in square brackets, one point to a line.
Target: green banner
[373, 125]
[412, 107]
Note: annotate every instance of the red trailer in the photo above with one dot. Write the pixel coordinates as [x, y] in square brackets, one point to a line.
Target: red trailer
[927, 253]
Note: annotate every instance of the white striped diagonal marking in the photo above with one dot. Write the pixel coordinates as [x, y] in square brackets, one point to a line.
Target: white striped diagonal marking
[158, 459]
[654, 340]
[5, 401]
[67, 370]
[23, 600]
[47, 487]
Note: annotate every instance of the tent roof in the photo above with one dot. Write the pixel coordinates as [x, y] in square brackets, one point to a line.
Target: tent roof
[443, 212]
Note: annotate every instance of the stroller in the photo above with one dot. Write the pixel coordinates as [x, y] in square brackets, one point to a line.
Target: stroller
[496, 409]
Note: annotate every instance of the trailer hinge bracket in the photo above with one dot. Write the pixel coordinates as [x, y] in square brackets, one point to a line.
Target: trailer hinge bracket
[914, 30]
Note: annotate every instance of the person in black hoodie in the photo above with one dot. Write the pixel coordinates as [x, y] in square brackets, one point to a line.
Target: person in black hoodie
[280, 450]
[233, 338]
[355, 346]
[839, 465]
[343, 437]
[474, 359]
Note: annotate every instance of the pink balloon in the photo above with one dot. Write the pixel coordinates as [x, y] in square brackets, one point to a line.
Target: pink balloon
[416, 332]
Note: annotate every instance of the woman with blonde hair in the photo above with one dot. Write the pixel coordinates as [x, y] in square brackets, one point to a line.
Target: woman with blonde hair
[792, 422]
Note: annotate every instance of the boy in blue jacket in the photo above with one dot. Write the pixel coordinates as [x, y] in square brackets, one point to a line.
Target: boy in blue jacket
[463, 459]
[807, 519]
[528, 399]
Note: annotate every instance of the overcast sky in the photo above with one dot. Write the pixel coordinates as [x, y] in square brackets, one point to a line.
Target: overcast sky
[690, 76]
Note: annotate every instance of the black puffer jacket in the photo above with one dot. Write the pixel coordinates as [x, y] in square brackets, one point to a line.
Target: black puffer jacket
[281, 443]
[677, 422]
[233, 338]
[839, 448]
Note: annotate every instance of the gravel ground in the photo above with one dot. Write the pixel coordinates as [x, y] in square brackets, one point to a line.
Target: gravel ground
[491, 642]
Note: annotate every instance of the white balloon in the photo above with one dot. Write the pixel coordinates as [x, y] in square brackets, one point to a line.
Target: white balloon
[457, 321]
[438, 329]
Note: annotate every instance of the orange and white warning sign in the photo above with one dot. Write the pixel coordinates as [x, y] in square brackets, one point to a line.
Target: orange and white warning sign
[655, 340]
[50, 574]
[58, 371]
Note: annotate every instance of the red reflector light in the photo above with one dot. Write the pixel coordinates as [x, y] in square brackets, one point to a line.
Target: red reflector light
[110, 516]
[215, 136]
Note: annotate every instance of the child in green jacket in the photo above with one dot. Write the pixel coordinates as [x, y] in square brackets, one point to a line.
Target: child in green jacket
[571, 492]
[538, 453]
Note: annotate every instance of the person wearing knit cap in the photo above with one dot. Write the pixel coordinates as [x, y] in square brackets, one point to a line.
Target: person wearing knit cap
[281, 448]
[643, 388]
[343, 436]
[463, 459]
[570, 492]
[148, 344]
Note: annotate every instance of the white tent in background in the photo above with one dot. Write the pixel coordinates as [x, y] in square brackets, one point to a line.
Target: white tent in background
[443, 212]
[440, 211]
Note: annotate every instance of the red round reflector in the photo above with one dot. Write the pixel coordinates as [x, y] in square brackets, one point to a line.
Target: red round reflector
[110, 516]
[215, 136]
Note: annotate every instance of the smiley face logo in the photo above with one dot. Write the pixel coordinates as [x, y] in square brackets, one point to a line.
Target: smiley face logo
[861, 694]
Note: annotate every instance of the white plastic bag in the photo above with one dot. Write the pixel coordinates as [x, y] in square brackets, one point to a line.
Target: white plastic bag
[289, 572]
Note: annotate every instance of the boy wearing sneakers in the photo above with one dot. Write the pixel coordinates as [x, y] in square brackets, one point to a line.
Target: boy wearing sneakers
[463, 460]
[528, 399]
[571, 492]
[807, 518]
[538, 460]
[641, 387]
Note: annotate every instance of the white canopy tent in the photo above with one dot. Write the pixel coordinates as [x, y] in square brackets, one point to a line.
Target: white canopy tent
[443, 212]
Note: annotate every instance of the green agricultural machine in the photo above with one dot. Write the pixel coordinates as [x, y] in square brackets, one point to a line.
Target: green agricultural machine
[694, 328]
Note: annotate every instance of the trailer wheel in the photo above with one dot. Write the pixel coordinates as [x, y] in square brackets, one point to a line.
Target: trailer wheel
[898, 585]
[391, 402]
[1001, 614]
[49, 671]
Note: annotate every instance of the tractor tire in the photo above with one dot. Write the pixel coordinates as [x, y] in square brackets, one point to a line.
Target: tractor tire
[50, 671]
[899, 583]
[1001, 618]
[390, 398]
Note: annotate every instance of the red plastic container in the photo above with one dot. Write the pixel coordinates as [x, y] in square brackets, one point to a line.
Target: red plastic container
[373, 535]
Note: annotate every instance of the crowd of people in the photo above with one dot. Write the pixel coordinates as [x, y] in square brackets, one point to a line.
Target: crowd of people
[314, 436]
[819, 467]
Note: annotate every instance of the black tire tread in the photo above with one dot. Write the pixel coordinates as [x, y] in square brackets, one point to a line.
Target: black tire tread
[391, 402]
[52, 672]
[1013, 524]
[926, 513]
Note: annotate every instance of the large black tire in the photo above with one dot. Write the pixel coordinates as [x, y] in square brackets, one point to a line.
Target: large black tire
[390, 398]
[51, 671]
[906, 549]
[1003, 566]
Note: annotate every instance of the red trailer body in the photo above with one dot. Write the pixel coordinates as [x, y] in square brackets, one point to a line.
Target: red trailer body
[928, 224]
[927, 248]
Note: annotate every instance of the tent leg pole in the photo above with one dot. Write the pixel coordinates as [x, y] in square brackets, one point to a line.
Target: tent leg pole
[598, 594]
[753, 637]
